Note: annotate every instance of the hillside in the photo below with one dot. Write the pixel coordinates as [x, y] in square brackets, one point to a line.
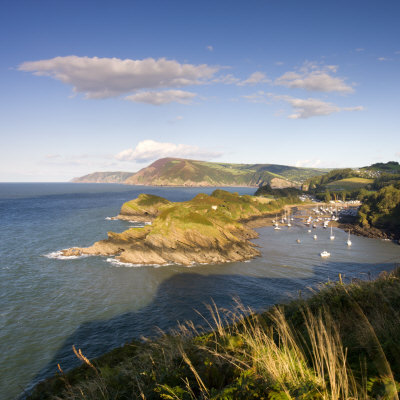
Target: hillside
[103, 177]
[182, 172]
[341, 343]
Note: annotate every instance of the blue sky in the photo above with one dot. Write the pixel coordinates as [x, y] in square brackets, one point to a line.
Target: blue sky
[103, 86]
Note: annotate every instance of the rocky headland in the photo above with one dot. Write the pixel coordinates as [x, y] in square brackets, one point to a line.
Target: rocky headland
[206, 229]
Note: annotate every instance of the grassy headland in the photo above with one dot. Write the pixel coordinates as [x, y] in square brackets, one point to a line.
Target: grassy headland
[343, 342]
[206, 229]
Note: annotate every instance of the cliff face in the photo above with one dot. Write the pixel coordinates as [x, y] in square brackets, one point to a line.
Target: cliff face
[203, 230]
[104, 177]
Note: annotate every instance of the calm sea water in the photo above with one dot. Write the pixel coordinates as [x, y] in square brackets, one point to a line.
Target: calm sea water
[47, 304]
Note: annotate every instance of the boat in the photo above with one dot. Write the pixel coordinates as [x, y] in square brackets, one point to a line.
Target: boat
[325, 254]
[332, 237]
[348, 240]
[288, 220]
[277, 228]
[298, 241]
[315, 237]
[309, 231]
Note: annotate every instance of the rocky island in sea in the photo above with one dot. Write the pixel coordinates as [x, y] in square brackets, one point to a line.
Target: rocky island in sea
[206, 229]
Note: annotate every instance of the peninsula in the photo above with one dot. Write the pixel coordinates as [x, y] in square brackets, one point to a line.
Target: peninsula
[206, 229]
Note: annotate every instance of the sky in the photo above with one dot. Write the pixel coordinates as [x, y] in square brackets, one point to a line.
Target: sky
[112, 86]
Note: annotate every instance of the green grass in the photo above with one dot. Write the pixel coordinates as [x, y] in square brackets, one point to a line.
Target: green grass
[349, 184]
[343, 342]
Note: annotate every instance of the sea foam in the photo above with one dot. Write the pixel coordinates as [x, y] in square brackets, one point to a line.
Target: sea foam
[59, 256]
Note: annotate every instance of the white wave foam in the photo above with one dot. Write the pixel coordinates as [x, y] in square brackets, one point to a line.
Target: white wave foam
[59, 256]
[118, 263]
[109, 218]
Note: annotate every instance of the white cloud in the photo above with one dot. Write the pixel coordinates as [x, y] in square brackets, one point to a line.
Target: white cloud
[254, 78]
[359, 49]
[308, 163]
[210, 48]
[316, 78]
[101, 78]
[279, 63]
[383, 59]
[307, 108]
[149, 150]
[258, 97]
[163, 97]
[228, 79]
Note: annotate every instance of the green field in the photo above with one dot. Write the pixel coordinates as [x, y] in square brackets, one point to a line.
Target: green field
[349, 184]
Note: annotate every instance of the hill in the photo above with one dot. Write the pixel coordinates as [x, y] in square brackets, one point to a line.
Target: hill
[341, 343]
[104, 177]
[183, 172]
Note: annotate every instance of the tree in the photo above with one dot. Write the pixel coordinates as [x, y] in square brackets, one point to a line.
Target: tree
[328, 196]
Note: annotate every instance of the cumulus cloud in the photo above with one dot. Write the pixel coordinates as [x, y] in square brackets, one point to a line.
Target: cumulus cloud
[210, 48]
[100, 78]
[254, 78]
[383, 59]
[312, 77]
[162, 97]
[149, 150]
[307, 108]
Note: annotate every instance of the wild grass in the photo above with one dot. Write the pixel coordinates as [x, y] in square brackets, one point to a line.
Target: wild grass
[334, 345]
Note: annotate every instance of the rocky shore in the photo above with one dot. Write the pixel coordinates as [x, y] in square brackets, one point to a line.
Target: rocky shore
[207, 229]
[371, 232]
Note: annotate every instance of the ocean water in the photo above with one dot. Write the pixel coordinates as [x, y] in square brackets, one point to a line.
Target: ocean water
[48, 304]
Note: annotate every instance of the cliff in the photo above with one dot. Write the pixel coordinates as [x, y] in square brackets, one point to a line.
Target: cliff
[104, 177]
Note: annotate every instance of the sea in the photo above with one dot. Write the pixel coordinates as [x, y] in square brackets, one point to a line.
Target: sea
[49, 303]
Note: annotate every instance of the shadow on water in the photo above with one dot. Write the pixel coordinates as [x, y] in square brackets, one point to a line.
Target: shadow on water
[178, 297]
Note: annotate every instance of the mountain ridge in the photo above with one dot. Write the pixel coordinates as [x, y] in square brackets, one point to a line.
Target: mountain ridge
[171, 171]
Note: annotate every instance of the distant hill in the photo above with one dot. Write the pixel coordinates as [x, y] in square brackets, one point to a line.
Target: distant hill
[183, 172]
[389, 167]
[104, 177]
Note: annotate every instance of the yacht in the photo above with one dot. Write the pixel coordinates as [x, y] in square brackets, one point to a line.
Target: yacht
[348, 240]
[315, 237]
[325, 254]
[332, 237]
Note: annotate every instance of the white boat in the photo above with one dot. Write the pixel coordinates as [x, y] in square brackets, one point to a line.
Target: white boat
[315, 237]
[348, 240]
[277, 228]
[288, 221]
[309, 231]
[298, 241]
[325, 254]
[332, 237]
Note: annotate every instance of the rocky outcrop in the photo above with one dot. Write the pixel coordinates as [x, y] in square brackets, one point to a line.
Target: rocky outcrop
[207, 229]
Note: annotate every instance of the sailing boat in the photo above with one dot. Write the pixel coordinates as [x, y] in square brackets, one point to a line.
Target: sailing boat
[288, 220]
[332, 237]
[348, 240]
[276, 220]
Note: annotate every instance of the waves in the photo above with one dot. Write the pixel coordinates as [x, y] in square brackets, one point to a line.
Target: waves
[59, 256]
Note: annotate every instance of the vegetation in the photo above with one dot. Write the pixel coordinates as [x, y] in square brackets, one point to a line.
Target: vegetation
[104, 177]
[268, 191]
[181, 172]
[341, 343]
[381, 209]
[391, 166]
[349, 184]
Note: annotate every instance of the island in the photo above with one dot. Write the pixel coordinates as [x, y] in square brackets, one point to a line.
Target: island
[207, 229]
